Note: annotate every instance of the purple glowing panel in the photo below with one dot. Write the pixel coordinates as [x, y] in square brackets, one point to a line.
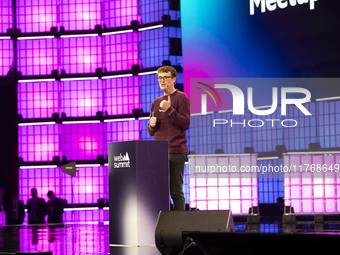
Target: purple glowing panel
[80, 14]
[36, 16]
[95, 215]
[121, 51]
[81, 98]
[122, 131]
[152, 10]
[6, 56]
[82, 141]
[38, 56]
[120, 13]
[90, 184]
[6, 15]
[155, 46]
[312, 182]
[122, 95]
[216, 183]
[73, 239]
[43, 179]
[81, 55]
[38, 100]
[38, 143]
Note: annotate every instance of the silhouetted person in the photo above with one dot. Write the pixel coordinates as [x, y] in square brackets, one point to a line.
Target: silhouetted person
[55, 208]
[2, 202]
[36, 208]
[15, 211]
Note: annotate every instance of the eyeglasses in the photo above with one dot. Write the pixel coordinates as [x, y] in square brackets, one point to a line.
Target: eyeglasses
[164, 78]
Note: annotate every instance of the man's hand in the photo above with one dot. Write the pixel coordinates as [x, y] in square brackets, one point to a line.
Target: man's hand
[165, 105]
[153, 120]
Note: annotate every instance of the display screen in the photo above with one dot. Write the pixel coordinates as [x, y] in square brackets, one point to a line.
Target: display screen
[261, 39]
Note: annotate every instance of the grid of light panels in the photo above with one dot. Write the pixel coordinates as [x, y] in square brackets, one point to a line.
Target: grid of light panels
[151, 10]
[6, 15]
[90, 184]
[75, 238]
[265, 135]
[76, 54]
[299, 137]
[80, 14]
[39, 142]
[38, 100]
[83, 141]
[122, 95]
[320, 127]
[81, 54]
[206, 139]
[121, 51]
[120, 13]
[222, 188]
[149, 90]
[36, 16]
[81, 98]
[312, 183]
[38, 56]
[270, 180]
[6, 56]
[155, 46]
[328, 124]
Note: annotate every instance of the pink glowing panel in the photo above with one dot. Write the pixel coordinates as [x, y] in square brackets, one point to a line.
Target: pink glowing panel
[80, 14]
[38, 56]
[312, 182]
[38, 100]
[121, 51]
[216, 183]
[122, 95]
[81, 54]
[120, 13]
[81, 98]
[6, 15]
[89, 185]
[82, 141]
[6, 56]
[71, 239]
[43, 179]
[39, 142]
[122, 131]
[36, 16]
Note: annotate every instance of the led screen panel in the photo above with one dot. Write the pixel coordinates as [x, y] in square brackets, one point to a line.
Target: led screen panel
[256, 38]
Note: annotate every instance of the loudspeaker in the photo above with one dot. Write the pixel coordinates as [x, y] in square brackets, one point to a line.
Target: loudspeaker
[171, 225]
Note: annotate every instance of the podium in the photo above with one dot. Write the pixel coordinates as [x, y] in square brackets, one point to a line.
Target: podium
[139, 190]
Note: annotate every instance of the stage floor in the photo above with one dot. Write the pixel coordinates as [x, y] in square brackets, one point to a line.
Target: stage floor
[93, 238]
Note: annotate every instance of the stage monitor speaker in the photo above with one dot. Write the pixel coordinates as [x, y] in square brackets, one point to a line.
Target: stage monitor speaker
[171, 225]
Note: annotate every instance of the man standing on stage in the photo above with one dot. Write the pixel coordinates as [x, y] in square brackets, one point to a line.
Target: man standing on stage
[169, 120]
[55, 208]
[36, 208]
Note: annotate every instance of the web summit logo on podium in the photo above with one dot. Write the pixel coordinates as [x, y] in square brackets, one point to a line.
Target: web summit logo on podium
[121, 161]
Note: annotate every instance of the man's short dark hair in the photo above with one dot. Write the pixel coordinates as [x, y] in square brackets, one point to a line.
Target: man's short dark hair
[50, 193]
[165, 69]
